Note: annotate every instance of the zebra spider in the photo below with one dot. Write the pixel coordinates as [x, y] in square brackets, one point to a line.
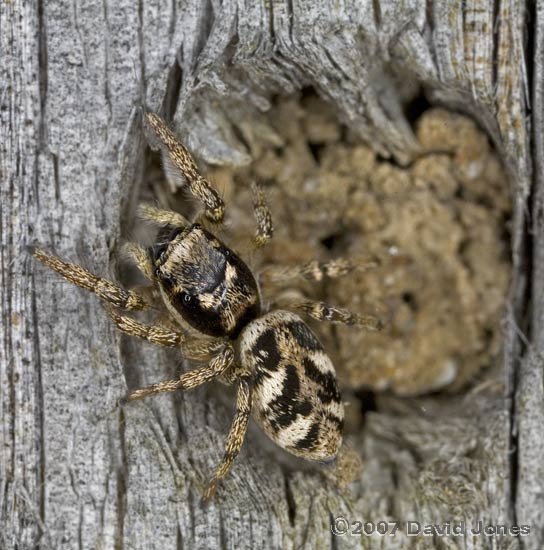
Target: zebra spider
[281, 371]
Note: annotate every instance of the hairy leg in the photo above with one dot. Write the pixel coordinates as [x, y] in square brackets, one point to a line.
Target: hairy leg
[138, 254]
[202, 349]
[235, 438]
[155, 334]
[265, 227]
[325, 312]
[183, 163]
[190, 347]
[315, 270]
[191, 379]
[159, 216]
[103, 288]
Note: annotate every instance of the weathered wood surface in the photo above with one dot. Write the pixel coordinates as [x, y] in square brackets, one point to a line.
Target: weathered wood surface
[76, 470]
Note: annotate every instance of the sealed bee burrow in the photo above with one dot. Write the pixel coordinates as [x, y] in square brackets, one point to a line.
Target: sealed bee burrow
[436, 229]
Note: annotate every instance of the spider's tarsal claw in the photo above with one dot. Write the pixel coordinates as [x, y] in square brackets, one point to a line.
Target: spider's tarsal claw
[210, 491]
[136, 395]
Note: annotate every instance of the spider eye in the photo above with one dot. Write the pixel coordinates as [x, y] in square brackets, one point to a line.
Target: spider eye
[187, 298]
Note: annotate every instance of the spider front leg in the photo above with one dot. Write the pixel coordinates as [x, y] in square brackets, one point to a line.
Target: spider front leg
[103, 288]
[158, 216]
[192, 379]
[235, 438]
[325, 312]
[178, 161]
[139, 255]
[162, 217]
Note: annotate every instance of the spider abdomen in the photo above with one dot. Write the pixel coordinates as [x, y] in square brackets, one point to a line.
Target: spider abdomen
[295, 395]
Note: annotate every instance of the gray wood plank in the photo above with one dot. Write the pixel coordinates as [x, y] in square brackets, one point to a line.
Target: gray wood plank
[76, 470]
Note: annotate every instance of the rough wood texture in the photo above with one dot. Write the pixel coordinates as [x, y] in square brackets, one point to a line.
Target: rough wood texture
[78, 471]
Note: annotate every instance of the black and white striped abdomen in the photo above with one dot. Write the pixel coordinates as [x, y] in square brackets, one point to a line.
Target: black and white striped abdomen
[295, 395]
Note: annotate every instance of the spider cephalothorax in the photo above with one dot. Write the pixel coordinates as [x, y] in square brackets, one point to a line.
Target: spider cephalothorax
[204, 282]
[280, 368]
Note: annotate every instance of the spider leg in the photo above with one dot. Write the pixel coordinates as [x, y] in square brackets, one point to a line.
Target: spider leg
[265, 226]
[176, 154]
[235, 438]
[195, 348]
[159, 216]
[315, 270]
[191, 379]
[202, 349]
[325, 312]
[138, 254]
[155, 334]
[103, 288]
